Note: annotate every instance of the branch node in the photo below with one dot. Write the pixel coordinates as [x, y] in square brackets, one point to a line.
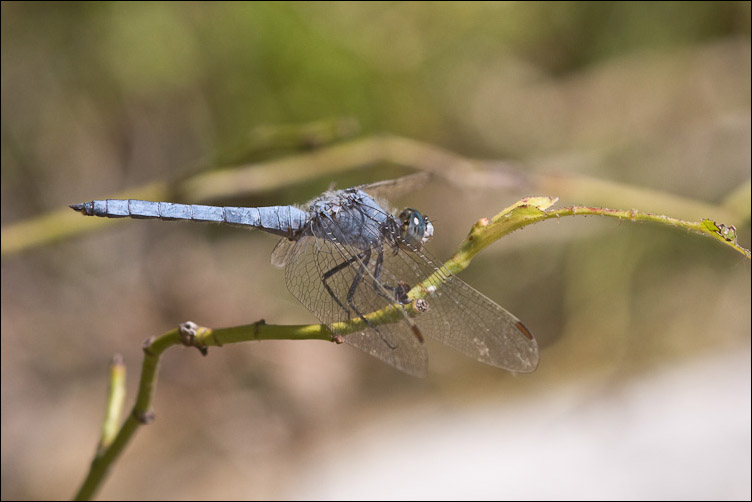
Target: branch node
[146, 345]
[260, 322]
[421, 305]
[145, 417]
[188, 331]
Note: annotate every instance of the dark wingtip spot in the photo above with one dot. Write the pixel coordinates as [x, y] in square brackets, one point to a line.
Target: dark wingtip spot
[417, 333]
[524, 330]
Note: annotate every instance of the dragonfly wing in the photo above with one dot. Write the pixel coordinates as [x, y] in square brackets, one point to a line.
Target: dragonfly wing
[461, 317]
[396, 187]
[282, 252]
[321, 272]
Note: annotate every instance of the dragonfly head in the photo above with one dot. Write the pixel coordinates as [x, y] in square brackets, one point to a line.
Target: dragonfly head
[416, 228]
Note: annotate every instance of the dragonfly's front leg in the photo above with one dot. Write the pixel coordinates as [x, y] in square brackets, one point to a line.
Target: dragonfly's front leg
[399, 292]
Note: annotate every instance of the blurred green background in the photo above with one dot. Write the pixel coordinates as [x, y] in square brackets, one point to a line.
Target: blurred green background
[644, 385]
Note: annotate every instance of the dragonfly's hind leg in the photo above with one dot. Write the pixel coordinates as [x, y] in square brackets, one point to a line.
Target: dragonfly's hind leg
[333, 271]
[363, 259]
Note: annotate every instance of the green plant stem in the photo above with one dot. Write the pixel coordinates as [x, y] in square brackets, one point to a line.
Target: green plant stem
[115, 400]
[535, 209]
[141, 414]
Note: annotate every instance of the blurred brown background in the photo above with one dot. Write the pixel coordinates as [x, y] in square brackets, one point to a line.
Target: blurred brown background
[644, 385]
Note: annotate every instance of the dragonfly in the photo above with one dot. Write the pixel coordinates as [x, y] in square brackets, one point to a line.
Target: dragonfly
[365, 273]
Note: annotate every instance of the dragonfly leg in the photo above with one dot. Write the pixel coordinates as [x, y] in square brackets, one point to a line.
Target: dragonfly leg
[351, 296]
[333, 271]
[366, 256]
[363, 259]
[399, 292]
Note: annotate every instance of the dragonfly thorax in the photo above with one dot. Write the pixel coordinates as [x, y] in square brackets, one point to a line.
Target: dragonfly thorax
[350, 216]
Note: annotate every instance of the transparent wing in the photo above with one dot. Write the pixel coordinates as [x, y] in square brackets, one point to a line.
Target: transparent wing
[396, 187]
[282, 252]
[463, 318]
[321, 273]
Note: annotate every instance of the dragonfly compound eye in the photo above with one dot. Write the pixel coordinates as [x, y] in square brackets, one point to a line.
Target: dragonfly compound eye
[416, 229]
